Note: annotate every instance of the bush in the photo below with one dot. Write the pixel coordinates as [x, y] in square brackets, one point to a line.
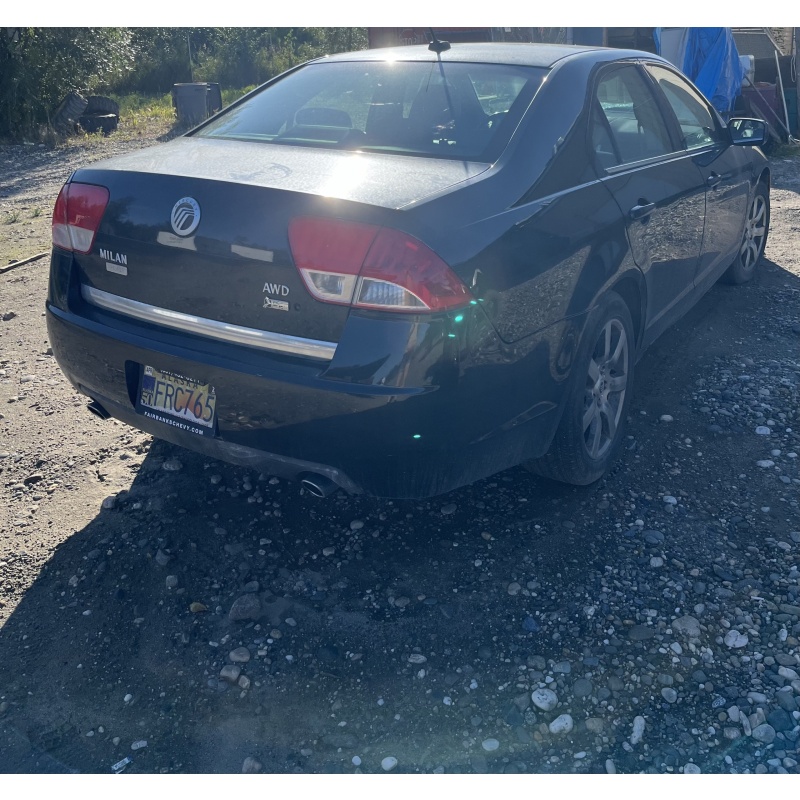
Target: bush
[40, 66]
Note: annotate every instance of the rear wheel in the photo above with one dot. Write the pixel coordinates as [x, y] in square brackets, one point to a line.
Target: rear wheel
[591, 429]
[754, 238]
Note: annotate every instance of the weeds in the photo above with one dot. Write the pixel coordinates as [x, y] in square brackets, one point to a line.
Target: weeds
[37, 212]
[11, 217]
[785, 150]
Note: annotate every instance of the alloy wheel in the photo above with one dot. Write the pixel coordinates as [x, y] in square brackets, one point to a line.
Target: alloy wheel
[755, 230]
[606, 384]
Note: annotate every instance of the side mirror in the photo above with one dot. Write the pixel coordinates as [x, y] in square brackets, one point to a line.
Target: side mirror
[752, 132]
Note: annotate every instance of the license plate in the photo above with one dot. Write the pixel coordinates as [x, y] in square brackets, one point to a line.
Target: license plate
[178, 401]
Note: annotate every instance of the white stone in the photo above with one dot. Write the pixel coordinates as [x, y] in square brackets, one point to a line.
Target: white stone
[638, 730]
[610, 768]
[691, 769]
[389, 763]
[545, 699]
[172, 465]
[328, 551]
[490, 745]
[417, 658]
[128, 697]
[670, 500]
[562, 724]
[746, 726]
[666, 418]
[765, 463]
[763, 430]
[356, 761]
[788, 673]
[139, 745]
[734, 639]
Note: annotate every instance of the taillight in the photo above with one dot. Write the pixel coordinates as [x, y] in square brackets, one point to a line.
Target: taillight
[372, 267]
[77, 214]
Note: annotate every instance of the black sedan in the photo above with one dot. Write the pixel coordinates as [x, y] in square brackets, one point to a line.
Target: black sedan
[399, 271]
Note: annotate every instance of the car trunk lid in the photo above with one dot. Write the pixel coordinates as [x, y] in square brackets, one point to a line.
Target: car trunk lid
[202, 229]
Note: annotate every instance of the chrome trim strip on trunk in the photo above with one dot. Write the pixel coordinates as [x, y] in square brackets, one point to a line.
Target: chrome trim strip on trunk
[211, 328]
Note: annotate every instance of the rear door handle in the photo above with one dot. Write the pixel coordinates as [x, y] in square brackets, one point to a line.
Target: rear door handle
[642, 210]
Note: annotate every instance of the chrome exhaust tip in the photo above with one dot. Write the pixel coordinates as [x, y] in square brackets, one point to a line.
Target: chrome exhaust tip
[98, 410]
[318, 485]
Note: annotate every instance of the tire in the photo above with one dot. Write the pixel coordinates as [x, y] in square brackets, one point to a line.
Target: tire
[592, 425]
[66, 115]
[91, 123]
[97, 104]
[754, 238]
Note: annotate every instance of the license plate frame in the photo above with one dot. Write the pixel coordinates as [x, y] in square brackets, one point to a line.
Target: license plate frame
[177, 400]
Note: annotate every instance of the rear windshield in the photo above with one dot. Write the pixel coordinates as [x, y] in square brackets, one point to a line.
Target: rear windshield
[444, 110]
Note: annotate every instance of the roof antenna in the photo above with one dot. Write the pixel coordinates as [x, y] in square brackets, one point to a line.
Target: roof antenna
[437, 45]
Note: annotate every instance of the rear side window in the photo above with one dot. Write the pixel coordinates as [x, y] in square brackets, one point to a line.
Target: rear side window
[632, 118]
[696, 122]
[446, 110]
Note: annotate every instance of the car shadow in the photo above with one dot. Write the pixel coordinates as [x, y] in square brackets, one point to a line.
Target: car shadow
[100, 621]
[122, 636]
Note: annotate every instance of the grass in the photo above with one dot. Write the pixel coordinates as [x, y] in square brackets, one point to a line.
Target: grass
[139, 111]
[785, 150]
[11, 217]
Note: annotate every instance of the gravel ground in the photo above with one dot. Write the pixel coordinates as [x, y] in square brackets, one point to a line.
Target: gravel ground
[196, 617]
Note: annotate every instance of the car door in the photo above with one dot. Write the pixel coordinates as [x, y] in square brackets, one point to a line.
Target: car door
[660, 191]
[725, 169]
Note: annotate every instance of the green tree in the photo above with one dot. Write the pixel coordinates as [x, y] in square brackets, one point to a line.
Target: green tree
[163, 57]
[233, 57]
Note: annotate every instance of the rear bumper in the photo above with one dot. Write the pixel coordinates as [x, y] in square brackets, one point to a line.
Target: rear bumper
[459, 422]
[242, 455]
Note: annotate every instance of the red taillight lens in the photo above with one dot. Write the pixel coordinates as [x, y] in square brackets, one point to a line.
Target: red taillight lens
[372, 267]
[77, 214]
[329, 254]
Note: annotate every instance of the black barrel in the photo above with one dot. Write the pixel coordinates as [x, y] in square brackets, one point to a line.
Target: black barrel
[195, 102]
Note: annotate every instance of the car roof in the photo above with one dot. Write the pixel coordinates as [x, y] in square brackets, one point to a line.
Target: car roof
[517, 53]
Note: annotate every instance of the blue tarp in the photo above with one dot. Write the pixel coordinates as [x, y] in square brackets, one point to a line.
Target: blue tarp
[709, 59]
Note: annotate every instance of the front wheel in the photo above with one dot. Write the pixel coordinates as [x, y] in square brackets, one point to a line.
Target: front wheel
[591, 428]
[754, 238]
